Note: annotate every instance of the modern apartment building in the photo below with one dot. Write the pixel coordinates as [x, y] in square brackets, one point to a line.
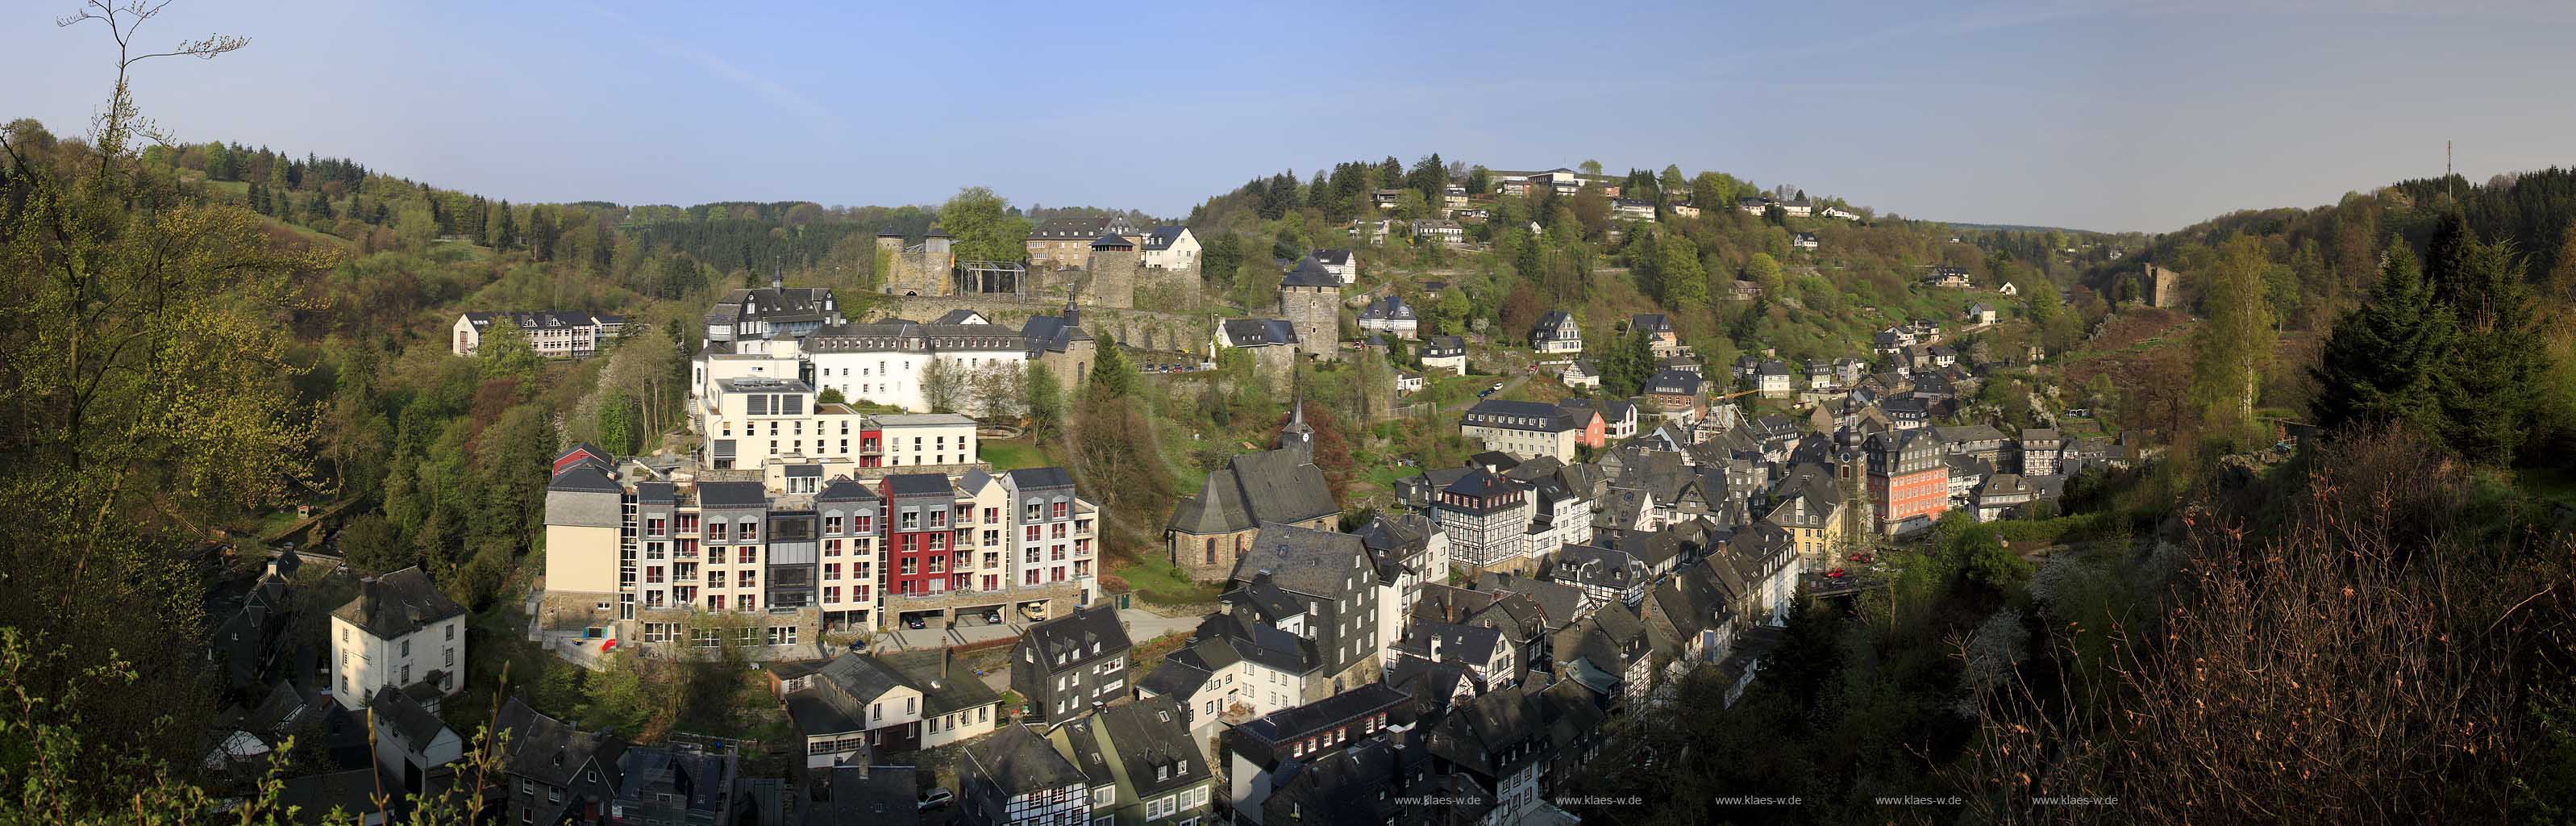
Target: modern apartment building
[633, 550]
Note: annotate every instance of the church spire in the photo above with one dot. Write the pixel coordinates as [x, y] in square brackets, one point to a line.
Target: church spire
[1297, 435]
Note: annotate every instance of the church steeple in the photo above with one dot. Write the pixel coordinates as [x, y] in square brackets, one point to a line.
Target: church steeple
[1297, 435]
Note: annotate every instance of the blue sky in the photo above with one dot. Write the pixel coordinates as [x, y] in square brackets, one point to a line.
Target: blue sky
[2095, 114]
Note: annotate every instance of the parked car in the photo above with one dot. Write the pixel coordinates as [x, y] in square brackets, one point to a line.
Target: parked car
[993, 617]
[1863, 559]
[913, 623]
[937, 797]
[1837, 573]
[1497, 388]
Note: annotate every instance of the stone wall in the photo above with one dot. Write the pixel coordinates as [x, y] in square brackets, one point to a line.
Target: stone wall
[1140, 329]
[1189, 553]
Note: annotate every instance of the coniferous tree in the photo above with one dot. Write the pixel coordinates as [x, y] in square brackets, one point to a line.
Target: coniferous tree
[1111, 377]
[2382, 358]
[2486, 386]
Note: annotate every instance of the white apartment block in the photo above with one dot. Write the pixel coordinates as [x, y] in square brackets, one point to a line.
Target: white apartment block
[549, 334]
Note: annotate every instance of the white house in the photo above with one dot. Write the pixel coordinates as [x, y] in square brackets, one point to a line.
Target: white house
[1391, 316]
[1339, 262]
[399, 632]
[1556, 332]
[410, 740]
[1580, 373]
[1170, 247]
[1804, 241]
[1445, 353]
[1981, 313]
[1839, 212]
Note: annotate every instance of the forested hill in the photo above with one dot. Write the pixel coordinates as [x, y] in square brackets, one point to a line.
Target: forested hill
[1600, 257]
[2331, 254]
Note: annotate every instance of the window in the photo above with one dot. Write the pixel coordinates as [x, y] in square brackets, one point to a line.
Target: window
[750, 531]
[716, 531]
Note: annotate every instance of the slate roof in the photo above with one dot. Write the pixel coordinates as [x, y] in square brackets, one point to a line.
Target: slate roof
[1163, 237]
[913, 484]
[1390, 308]
[404, 715]
[550, 751]
[845, 489]
[1268, 486]
[1149, 734]
[1018, 761]
[398, 603]
[1302, 560]
[1075, 640]
[731, 495]
[1291, 723]
[1470, 644]
[1560, 602]
[1310, 273]
[585, 477]
[1515, 415]
[1259, 332]
[1054, 333]
[1674, 383]
[875, 795]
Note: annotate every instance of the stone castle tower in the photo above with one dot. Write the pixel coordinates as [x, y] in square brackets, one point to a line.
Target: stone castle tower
[1113, 268]
[1310, 299]
[918, 270]
[2163, 287]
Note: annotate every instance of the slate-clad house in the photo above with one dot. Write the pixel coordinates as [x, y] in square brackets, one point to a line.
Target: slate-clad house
[1066, 664]
[1257, 749]
[556, 772]
[1320, 586]
[1142, 764]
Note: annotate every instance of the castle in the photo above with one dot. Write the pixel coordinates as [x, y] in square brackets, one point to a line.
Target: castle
[1109, 275]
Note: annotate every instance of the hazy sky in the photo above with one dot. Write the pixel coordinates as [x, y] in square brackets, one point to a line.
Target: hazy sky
[2097, 115]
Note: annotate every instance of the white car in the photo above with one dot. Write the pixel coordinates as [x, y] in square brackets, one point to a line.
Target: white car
[938, 796]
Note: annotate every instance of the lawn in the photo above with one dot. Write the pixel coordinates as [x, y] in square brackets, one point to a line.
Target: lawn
[1158, 582]
[1011, 455]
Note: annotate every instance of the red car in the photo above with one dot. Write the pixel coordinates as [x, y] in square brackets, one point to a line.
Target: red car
[1837, 573]
[1860, 558]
